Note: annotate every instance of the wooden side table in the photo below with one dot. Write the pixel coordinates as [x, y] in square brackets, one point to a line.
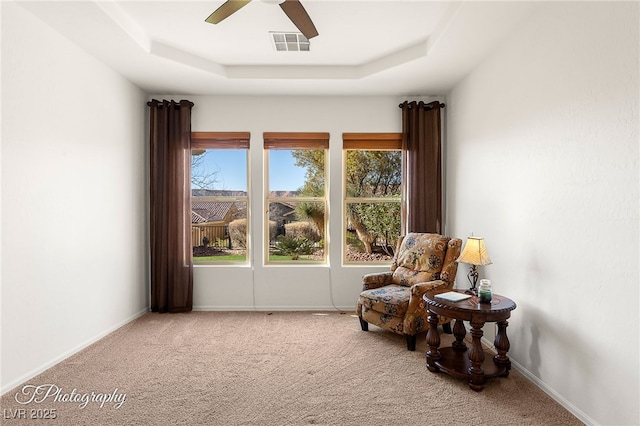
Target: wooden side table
[458, 360]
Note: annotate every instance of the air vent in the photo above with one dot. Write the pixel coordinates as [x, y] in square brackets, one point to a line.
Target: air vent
[289, 42]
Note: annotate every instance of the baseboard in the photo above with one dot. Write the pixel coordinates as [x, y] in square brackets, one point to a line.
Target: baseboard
[554, 395]
[65, 355]
[545, 388]
[274, 308]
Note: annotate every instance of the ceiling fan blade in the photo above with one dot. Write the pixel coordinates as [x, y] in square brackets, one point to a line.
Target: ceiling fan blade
[300, 18]
[227, 9]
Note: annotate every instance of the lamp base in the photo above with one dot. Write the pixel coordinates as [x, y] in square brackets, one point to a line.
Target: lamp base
[473, 280]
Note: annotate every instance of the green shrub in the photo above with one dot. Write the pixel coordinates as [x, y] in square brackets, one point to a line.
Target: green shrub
[287, 245]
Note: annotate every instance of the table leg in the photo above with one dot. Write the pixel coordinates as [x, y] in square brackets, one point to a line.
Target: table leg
[459, 332]
[476, 356]
[502, 345]
[433, 340]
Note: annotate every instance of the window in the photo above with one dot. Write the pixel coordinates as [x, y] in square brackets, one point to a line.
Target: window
[296, 197]
[372, 196]
[219, 197]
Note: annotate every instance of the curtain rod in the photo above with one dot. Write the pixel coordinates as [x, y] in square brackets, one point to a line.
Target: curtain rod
[182, 102]
[426, 106]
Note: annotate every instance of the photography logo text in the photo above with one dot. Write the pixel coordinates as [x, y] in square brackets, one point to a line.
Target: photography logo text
[50, 394]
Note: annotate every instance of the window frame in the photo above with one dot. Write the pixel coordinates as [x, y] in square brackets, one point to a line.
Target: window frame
[294, 141]
[225, 140]
[390, 141]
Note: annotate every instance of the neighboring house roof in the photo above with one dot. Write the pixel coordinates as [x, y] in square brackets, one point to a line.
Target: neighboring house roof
[196, 218]
[211, 211]
[281, 212]
[226, 211]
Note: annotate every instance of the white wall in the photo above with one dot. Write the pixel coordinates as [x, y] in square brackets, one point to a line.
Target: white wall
[73, 198]
[543, 162]
[550, 123]
[291, 287]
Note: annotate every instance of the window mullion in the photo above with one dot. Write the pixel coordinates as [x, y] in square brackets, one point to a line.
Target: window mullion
[222, 199]
[372, 200]
[296, 199]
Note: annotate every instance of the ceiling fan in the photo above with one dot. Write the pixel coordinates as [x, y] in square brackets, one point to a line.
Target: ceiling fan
[292, 8]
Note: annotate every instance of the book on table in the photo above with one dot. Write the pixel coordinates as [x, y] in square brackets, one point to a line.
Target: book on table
[453, 296]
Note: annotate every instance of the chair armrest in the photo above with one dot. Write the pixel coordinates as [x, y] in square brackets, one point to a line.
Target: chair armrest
[417, 309]
[376, 280]
[418, 289]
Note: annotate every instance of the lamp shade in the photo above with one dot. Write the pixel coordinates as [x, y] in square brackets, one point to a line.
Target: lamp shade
[474, 252]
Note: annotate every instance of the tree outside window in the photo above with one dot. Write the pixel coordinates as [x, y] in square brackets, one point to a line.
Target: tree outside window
[372, 203]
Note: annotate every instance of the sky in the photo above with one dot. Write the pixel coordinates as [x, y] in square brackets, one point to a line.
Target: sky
[232, 170]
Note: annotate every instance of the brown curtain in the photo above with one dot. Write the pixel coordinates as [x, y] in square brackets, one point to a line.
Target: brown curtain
[170, 206]
[422, 166]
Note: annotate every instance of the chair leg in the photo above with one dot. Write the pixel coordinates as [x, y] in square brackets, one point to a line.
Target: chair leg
[411, 341]
[363, 324]
[446, 327]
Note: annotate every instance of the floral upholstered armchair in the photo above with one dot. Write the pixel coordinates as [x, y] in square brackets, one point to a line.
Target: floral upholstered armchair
[393, 300]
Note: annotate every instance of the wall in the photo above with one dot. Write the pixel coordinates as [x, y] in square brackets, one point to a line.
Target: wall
[288, 287]
[543, 156]
[73, 198]
[549, 121]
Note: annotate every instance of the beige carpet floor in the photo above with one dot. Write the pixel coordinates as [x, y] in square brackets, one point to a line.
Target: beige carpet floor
[260, 368]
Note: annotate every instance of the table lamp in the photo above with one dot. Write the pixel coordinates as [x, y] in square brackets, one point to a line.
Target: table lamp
[475, 254]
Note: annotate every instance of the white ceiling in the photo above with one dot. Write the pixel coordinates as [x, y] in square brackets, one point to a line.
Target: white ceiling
[364, 47]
